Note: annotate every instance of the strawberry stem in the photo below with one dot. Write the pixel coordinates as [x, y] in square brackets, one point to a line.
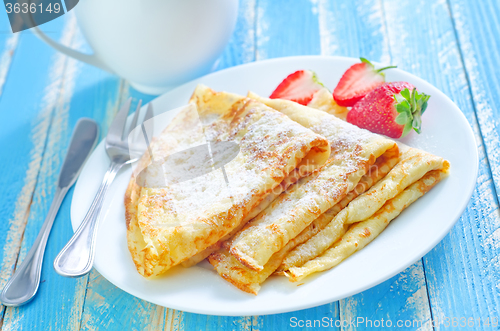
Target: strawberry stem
[364, 60]
[385, 68]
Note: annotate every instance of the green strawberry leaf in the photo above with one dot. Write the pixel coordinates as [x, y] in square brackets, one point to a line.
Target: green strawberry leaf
[410, 106]
[406, 129]
[366, 61]
[406, 94]
[399, 98]
[424, 103]
[413, 102]
[402, 118]
[417, 123]
[403, 107]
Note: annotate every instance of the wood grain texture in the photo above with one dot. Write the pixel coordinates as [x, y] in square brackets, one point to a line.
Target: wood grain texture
[26, 107]
[241, 46]
[322, 317]
[8, 51]
[60, 311]
[461, 272]
[109, 308]
[401, 298]
[353, 28]
[477, 27]
[286, 29]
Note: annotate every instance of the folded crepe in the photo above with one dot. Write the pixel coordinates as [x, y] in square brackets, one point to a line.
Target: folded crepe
[249, 280]
[168, 225]
[323, 100]
[354, 150]
[415, 174]
[362, 233]
[409, 179]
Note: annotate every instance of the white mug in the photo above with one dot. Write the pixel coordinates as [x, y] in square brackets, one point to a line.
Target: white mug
[155, 44]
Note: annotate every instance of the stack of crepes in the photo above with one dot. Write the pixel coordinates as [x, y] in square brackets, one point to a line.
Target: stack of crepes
[314, 223]
[169, 225]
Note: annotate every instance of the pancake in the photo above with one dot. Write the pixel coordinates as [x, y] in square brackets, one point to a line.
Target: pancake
[289, 180]
[353, 151]
[362, 233]
[168, 225]
[413, 165]
[323, 100]
[249, 280]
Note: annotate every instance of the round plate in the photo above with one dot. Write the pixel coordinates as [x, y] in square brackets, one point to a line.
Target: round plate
[409, 237]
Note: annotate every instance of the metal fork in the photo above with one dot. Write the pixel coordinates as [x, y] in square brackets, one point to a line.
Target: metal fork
[77, 257]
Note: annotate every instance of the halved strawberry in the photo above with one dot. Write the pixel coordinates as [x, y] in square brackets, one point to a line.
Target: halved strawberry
[299, 87]
[357, 82]
[392, 109]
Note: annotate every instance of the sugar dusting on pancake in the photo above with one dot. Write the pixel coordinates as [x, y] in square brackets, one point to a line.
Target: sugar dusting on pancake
[166, 226]
[353, 151]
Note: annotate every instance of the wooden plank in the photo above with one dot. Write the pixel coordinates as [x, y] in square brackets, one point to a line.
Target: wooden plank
[241, 46]
[318, 318]
[462, 270]
[210, 323]
[110, 308]
[286, 29]
[401, 298]
[8, 42]
[478, 30]
[48, 310]
[26, 107]
[353, 28]
[7, 53]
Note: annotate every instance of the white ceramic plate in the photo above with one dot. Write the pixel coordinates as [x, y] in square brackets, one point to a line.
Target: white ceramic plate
[409, 237]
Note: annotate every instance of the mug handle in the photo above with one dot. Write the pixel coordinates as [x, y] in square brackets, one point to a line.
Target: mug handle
[91, 59]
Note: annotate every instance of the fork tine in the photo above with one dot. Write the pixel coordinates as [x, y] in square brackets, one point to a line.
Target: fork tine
[118, 125]
[148, 116]
[134, 119]
[149, 112]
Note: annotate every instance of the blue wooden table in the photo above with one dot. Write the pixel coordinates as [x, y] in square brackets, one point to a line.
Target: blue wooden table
[454, 44]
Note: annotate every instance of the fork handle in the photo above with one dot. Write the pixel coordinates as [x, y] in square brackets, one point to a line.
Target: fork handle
[77, 257]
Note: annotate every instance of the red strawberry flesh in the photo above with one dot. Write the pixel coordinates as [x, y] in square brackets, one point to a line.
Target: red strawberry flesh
[299, 86]
[356, 82]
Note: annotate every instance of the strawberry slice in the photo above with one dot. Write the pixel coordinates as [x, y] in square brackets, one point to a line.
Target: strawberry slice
[357, 82]
[392, 109]
[299, 87]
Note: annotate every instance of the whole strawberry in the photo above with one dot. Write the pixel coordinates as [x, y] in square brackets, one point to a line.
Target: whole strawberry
[359, 80]
[299, 86]
[392, 109]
